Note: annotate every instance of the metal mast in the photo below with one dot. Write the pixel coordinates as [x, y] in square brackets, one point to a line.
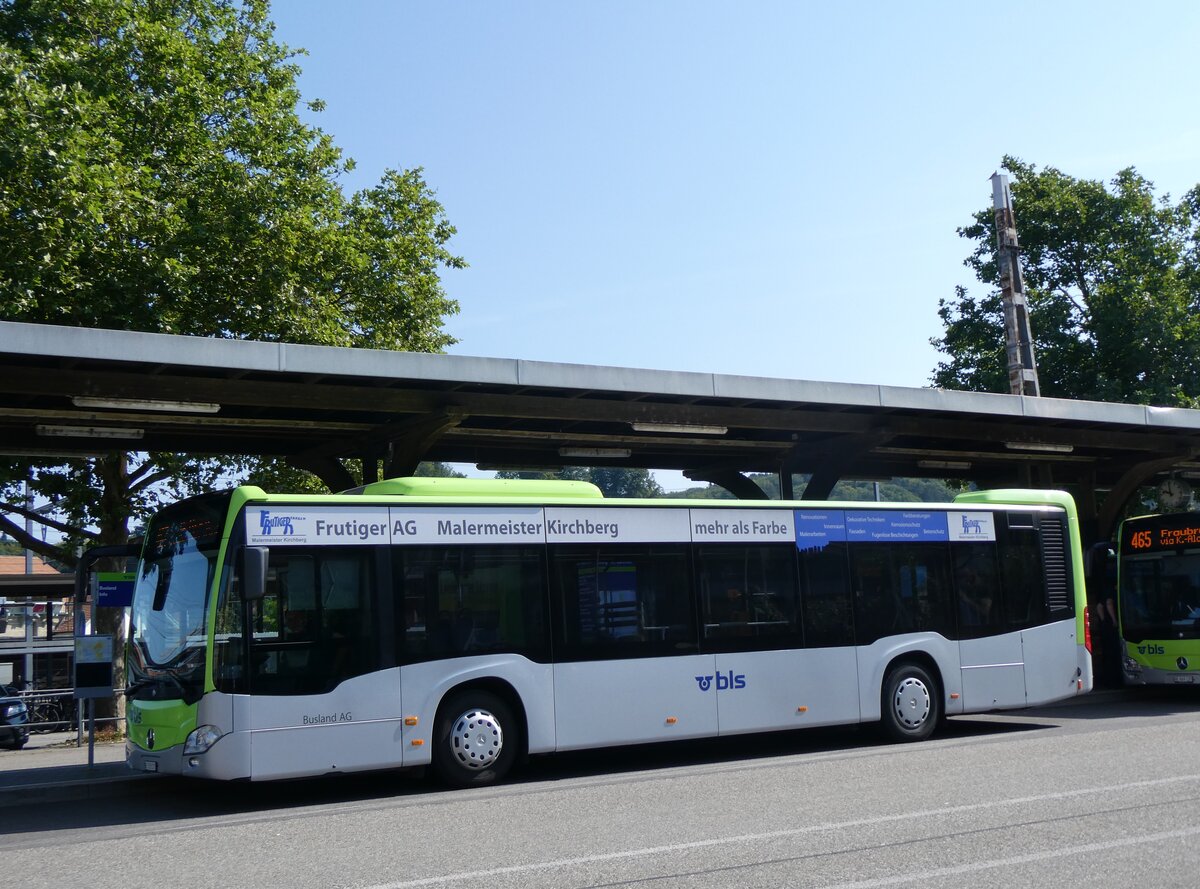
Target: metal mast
[1018, 336]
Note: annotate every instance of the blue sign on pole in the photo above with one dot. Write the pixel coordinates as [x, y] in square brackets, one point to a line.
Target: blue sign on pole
[114, 590]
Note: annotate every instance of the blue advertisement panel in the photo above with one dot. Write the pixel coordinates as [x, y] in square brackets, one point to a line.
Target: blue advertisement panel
[896, 525]
[817, 528]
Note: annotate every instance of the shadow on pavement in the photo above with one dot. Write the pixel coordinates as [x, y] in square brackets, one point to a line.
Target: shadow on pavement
[1132, 702]
[164, 800]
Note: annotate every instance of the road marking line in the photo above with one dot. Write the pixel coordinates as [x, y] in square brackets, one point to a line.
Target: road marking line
[818, 828]
[1064, 852]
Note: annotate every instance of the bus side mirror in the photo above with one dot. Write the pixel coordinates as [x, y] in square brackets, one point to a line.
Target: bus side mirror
[254, 572]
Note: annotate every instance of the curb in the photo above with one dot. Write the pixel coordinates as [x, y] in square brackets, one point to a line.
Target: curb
[69, 791]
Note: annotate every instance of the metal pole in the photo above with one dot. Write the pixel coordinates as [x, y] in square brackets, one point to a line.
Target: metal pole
[1018, 335]
[91, 731]
[28, 525]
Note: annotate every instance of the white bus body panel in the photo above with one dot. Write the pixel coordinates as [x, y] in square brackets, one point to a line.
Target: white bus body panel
[633, 701]
[993, 672]
[1052, 663]
[356, 726]
[426, 684]
[229, 758]
[765, 690]
[874, 659]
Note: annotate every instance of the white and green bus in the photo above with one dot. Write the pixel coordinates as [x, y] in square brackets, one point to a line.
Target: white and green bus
[1158, 598]
[467, 624]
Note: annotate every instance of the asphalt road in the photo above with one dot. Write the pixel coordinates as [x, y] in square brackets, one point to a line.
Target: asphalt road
[1099, 794]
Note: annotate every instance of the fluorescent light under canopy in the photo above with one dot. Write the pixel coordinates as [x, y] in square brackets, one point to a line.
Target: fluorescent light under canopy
[146, 404]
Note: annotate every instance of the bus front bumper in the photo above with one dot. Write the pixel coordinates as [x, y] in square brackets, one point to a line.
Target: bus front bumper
[227, 759]
[1139, 674]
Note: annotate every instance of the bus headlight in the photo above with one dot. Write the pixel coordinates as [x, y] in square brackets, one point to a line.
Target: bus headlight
[1132, 666]
[201, 739]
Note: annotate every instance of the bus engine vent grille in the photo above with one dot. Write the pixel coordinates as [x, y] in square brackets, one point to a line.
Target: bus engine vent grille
[1058, 589]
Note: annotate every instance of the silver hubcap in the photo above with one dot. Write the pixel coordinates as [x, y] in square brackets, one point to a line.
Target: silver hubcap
[912, 704]
[476, 739]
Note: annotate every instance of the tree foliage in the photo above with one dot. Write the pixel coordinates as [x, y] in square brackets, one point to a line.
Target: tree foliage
[1113, 277]
[896, 490]
[612, 481]
[155, 175]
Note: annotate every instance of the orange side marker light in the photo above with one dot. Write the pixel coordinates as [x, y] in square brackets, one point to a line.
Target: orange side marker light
[671, 720]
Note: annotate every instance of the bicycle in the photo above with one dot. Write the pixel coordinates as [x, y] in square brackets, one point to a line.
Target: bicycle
[46, 713]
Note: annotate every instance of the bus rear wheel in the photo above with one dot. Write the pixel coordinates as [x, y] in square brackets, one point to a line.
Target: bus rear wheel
[478, 739]
[911, 703]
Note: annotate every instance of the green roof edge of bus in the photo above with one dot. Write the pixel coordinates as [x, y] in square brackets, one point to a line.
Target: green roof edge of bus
[1032, 497]
[1022, 497]
[480, 487]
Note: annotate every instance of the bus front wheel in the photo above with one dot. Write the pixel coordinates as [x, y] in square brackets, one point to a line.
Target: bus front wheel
[911, 703]
[478, 739]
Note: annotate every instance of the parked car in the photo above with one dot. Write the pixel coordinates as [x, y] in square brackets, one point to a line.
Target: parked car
[14, 719]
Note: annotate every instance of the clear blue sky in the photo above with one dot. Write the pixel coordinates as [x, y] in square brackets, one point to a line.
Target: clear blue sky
[768, 189]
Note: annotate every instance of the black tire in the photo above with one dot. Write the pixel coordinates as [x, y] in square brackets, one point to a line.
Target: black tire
[17, 743]
[45, 717]
[911, 703]
[477, 739]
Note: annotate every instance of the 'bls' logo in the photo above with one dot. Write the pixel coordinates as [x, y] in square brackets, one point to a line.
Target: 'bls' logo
[724, 681]
[1151, 649]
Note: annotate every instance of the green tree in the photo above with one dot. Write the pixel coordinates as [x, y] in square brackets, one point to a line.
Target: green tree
[437, 470]
[612, 481]
[896, 490]
[155, 175]
[1113, 277]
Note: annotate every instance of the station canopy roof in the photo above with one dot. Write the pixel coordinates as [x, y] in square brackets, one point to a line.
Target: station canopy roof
[69, 391]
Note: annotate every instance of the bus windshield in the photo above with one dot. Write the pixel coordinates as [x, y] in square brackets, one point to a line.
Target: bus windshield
[170, 601]
[1160, 595]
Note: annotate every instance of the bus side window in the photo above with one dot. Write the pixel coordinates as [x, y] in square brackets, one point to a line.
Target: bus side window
[748, 592]
[455, 600]
[900, 588]
[1022, 572]
[977, 588]
[828, 607]
[229, 640]
[623, 601]
[314, 628]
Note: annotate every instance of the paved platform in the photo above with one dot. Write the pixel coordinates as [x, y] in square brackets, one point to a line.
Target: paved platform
[51, 768]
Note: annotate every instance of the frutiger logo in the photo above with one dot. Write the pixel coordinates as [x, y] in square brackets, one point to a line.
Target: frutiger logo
[267, 522]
